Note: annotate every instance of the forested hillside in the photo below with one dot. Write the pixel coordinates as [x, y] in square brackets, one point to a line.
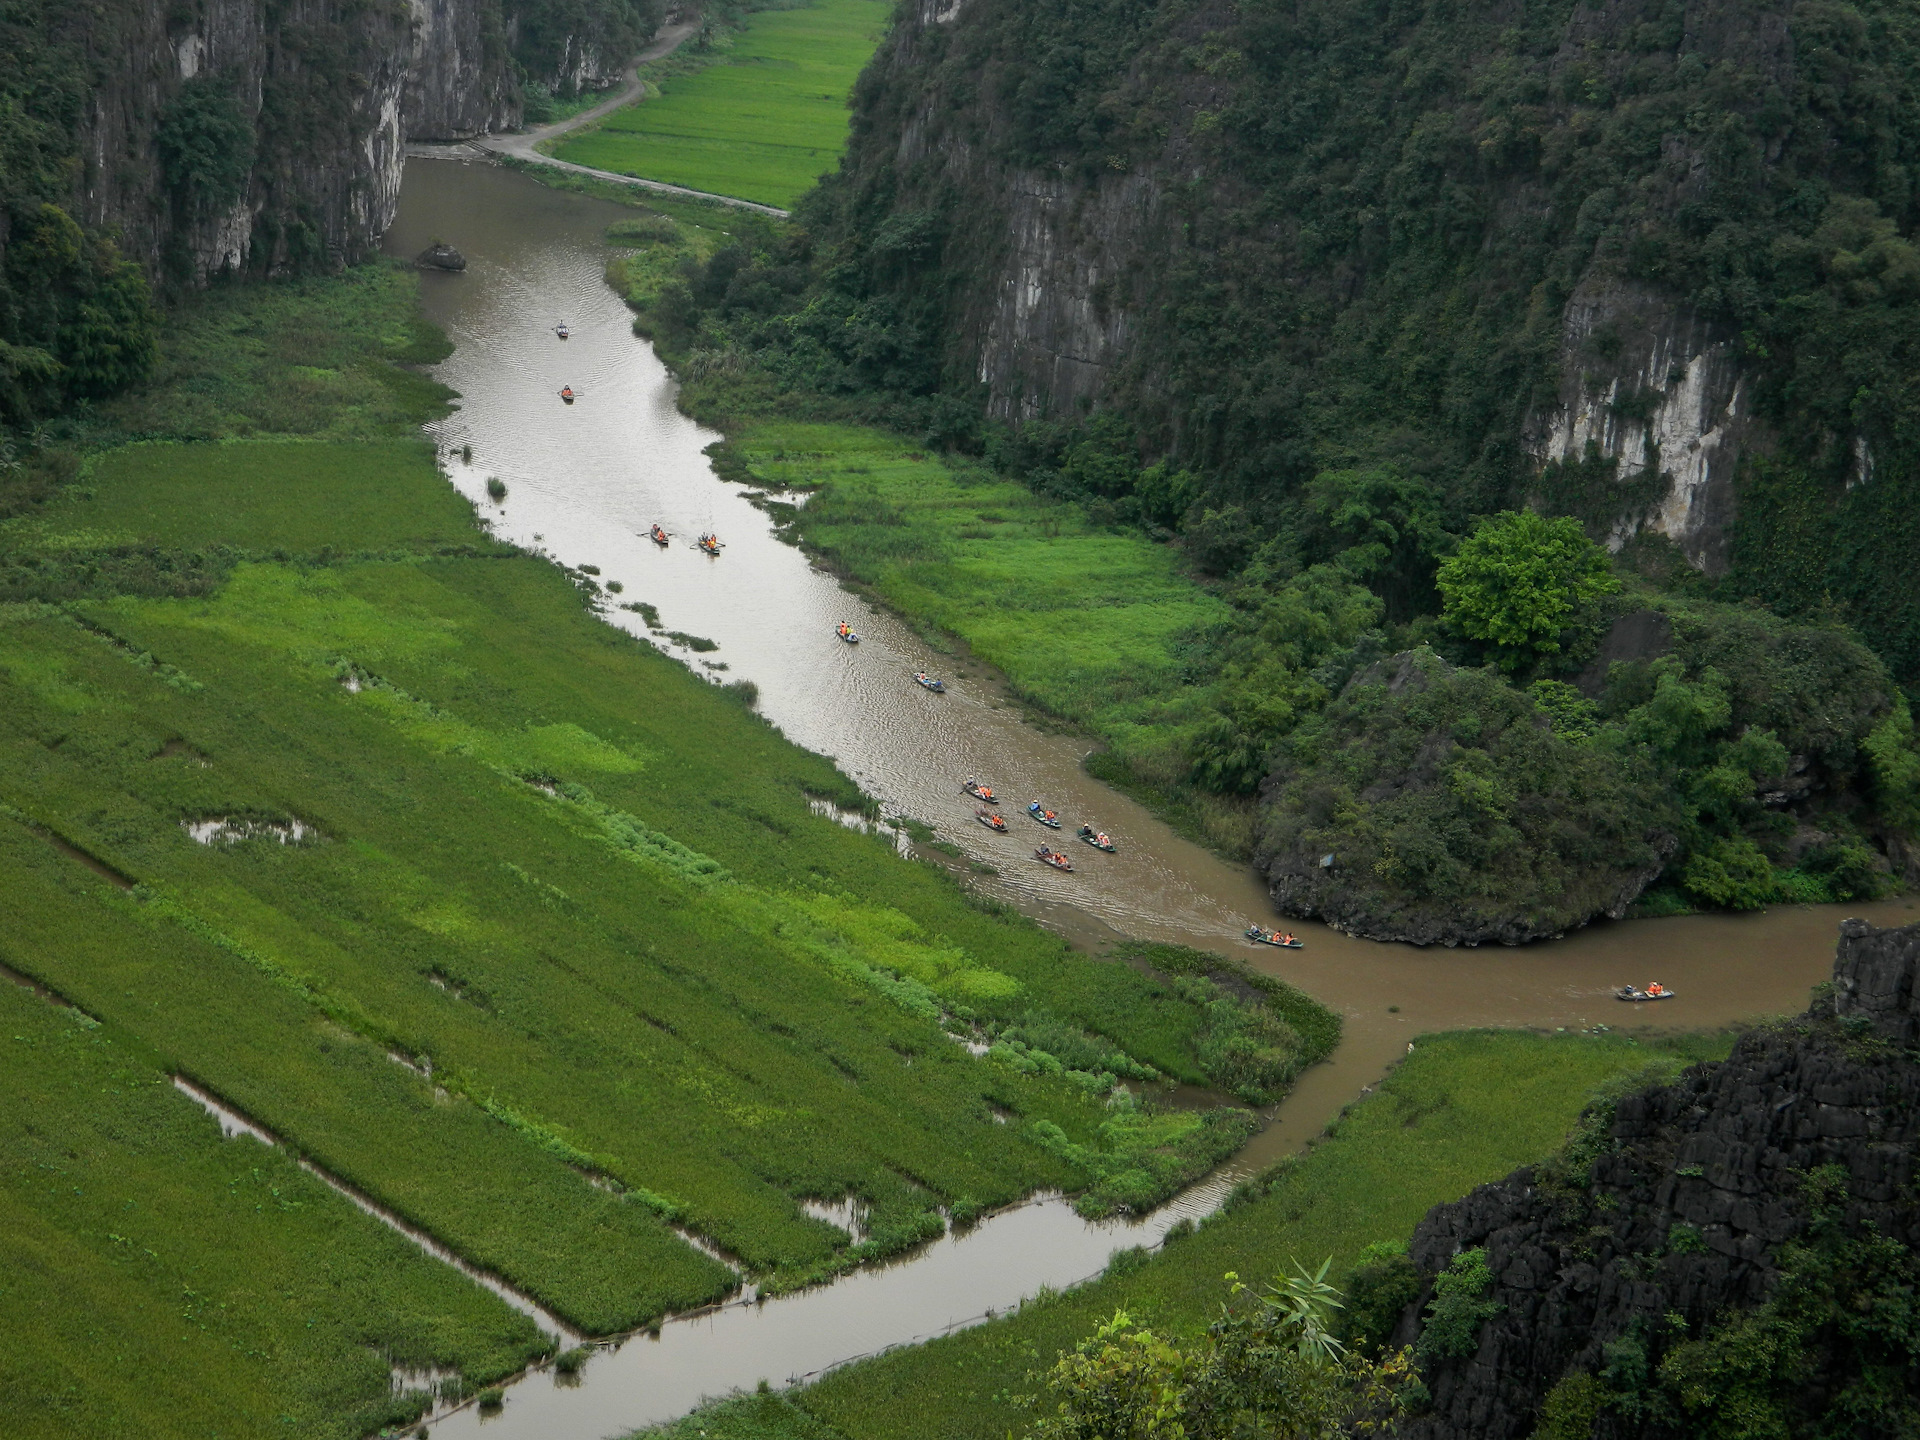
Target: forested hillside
[173, 144]
[1568, 348]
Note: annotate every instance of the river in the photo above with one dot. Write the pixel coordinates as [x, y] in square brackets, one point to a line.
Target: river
[584, 481]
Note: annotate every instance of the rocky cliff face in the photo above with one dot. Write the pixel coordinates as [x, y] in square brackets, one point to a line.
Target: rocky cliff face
[1616, 1267]
[331, 89]
[1265, 231]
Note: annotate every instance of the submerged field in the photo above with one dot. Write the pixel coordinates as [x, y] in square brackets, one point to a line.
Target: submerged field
[763, 122]
[369, 826]
[1462, 1110]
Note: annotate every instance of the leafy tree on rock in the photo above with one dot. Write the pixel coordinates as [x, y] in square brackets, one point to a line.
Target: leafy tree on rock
[1525, 587]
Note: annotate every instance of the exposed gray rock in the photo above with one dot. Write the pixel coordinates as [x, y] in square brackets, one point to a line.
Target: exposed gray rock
[440, 256]
[1725, 1151]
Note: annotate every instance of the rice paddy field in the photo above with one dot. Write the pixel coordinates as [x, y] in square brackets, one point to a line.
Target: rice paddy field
[314, 795]
[157, 1280]
[763, 122]
[1463, 1109]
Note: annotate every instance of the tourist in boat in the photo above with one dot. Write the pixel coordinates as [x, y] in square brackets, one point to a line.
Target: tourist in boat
[1656, 989]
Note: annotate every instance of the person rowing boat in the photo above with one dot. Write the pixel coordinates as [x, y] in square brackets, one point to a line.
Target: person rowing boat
[658, 536]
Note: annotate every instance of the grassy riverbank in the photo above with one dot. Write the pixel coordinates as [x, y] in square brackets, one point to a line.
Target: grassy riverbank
[559, 955]
[1461, 1110]
[761, 119]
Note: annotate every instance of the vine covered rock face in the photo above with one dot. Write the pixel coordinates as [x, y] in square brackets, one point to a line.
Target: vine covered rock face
[1740, 1240]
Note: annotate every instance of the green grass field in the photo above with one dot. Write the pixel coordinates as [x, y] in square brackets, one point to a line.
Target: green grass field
[1463, 1109]
[563, 956]
[1094, 625]
[762, 123]
[157, 1280]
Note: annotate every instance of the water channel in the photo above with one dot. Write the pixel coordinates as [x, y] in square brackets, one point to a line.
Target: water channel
[584, 481]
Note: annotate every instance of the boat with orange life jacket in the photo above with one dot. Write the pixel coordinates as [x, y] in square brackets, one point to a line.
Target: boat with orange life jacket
[1053, 858]
[991, 820]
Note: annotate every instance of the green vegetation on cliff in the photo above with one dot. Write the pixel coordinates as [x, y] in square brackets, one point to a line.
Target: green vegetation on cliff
[1353, 342]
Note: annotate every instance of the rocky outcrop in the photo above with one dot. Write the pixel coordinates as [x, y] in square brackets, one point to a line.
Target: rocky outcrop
[1439, 808]
[440, 256]
[457, 85]
[332, 90]
[1679, 1217]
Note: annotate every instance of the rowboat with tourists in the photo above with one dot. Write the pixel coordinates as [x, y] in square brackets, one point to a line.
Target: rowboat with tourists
[1053, 858]
[566, 393]
[710, 543]
[1655, 991]
[1261, 936]
[929, 682]
[659, 537]
[1046, 817]
[1096, 838]
[561, 330]
[991, 820]
[979, 791]
[846, 633]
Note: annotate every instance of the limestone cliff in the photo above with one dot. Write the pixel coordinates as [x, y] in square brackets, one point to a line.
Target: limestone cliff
[330, 91]
[1619, 1277]
[1281, 237]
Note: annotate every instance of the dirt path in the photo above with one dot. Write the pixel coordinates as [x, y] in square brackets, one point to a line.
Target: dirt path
[524, 146]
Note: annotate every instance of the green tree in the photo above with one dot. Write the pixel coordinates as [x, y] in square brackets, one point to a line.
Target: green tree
[206, 145]
[1524, 586]
[1268, 1367]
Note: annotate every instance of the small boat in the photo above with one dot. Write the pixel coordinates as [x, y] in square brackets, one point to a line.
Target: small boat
[1097, 839]
[979, 791]
[710, 544]
[561, 330]
[929, 682]
[847, 633]
[1273, 937]
[1053, 858]
[1656, 991]
[1048, 818]
[658, 536]
[566, 393]
[991, 820]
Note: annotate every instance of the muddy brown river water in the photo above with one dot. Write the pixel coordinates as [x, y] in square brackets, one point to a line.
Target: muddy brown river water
[584, 481]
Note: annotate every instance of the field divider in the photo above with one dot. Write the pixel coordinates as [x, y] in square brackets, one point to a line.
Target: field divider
[232, 1122]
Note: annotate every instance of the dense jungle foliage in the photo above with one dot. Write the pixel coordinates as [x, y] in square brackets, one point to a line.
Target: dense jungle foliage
[1349, 322]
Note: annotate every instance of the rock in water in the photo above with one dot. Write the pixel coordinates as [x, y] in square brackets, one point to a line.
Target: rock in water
[441, 256]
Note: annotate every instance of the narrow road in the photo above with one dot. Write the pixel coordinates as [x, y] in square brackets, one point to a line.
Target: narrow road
[524, 146]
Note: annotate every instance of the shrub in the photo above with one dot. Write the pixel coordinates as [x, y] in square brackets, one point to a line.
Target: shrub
[1459, 1307]
[206, 145]
[496, 488]
[1526, 587]
[1379, 1289]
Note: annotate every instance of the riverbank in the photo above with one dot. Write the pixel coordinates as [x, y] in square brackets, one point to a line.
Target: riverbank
[1461, 1110]
[498, 914]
